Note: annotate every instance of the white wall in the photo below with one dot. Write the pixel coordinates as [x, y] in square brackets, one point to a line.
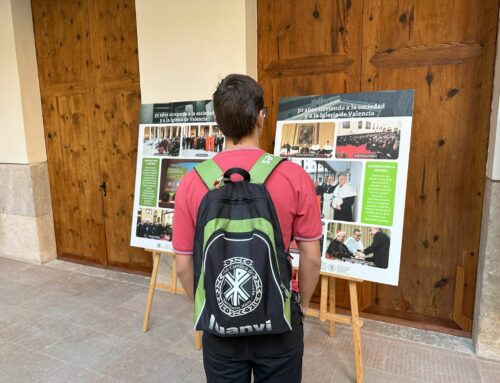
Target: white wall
[21, 128]
[28, 80]
[186, 47]
[12, 140]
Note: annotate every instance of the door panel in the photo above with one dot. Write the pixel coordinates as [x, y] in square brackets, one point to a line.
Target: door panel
[306, 47]
[117, 108]
[89, 80]
[445, 51]
[118, 124]
[63, 47]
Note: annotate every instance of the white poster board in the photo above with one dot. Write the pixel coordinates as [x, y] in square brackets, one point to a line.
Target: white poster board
[173, 138]
[356, 149]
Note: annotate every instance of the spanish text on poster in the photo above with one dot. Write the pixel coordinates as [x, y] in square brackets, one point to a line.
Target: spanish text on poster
[355, 147]
[173, 138]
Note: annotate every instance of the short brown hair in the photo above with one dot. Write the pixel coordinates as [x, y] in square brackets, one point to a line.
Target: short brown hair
[238, 100]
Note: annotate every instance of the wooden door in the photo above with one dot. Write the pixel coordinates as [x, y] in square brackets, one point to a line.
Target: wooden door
[445, 51]
[117, 108]
[62, 41]
[89, 81]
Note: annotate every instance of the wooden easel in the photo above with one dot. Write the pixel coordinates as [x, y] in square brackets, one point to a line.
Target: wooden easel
[172, 287]
[327, 312]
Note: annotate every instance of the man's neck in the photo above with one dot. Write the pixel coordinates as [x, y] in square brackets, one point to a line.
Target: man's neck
[246, 142]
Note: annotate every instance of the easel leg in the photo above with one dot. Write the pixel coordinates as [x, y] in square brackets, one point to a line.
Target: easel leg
[331, 304]
[197, 339]
[174, 275]
[356, 332]
[324, 296]
[151, 292]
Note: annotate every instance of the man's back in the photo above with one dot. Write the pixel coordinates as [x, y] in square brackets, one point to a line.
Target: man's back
[291, 190]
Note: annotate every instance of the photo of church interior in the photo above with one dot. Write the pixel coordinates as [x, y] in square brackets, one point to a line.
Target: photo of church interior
[307, 140]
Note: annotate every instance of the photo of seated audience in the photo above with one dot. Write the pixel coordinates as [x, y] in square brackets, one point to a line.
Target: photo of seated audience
[314, 140]
[368, 139]
[162, 141]
[363, 245]
[171, 173]
[154, 224]
[202, 141]
[337, 185]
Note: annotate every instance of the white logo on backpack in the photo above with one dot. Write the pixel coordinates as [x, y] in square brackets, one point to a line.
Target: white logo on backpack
[238, 287]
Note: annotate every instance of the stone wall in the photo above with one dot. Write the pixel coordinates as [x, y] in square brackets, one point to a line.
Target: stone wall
[26, 222]
[486, 327]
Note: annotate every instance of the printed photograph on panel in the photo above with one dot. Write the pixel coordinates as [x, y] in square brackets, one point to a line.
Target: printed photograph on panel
[365, 245]
[171, 173]
[162, 141]
[308, 139]
[202, 141]
[154, 224]
[337, 186]
[375, 139]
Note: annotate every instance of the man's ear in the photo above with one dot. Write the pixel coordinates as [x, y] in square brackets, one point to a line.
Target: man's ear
[260, 120]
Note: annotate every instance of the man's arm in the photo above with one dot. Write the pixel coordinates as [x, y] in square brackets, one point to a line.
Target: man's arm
[185, 272]
[374, 246]
[309, 266]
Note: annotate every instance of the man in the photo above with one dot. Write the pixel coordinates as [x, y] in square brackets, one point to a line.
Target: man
[379, 247]
[354, 243]
[344, 196]
[318, 188]
[327, 148]
[238, 105]
[328, 189]
[337, 248]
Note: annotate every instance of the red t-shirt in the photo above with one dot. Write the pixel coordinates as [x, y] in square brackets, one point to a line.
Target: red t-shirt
[289, 186]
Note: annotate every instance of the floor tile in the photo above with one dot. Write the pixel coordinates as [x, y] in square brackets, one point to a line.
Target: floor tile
[162, 332]
[10, 315]
[32, 275]
[101, 317]
[345, 372]
[14, 293]
[489, 371]
[185, 347]
[74, 374]
[88, 349]
[427, 364]
[22, 365]
[150, 364]
[318, 368]
[37, 332]
[197, 375]
[54, 304]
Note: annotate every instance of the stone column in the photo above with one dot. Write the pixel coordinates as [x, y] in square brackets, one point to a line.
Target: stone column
[486, 326]
[26, 222]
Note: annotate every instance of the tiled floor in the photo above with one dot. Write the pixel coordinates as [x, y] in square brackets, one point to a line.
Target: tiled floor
[69, 323]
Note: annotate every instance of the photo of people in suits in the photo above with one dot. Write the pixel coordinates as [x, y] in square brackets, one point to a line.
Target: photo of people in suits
[162, 141]
[337, 185]
[154, 224]
[202, 141]
[377, 139]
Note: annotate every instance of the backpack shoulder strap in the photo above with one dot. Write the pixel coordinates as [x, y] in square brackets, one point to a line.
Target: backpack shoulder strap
[263, 167]
[209, 172]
